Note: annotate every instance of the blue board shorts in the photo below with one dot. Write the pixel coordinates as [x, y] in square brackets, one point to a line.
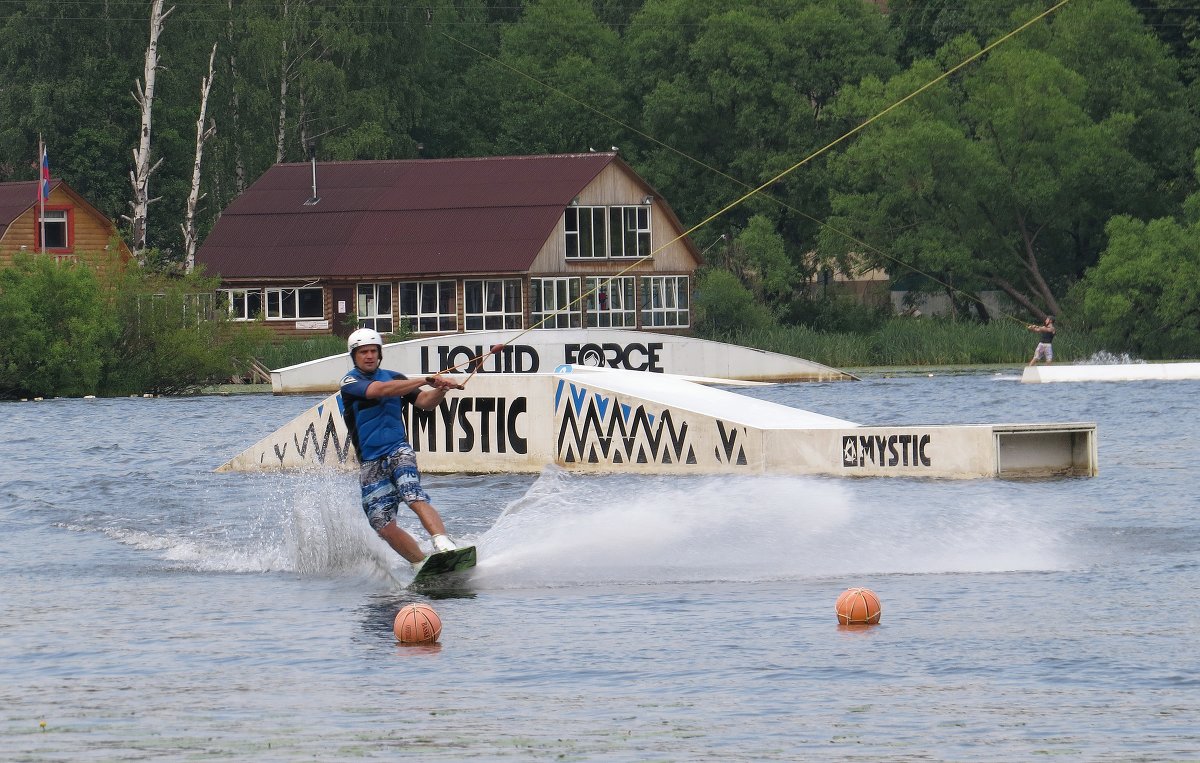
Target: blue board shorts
[386, 482]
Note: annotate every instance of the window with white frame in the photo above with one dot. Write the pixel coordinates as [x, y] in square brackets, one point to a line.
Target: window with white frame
[554, 301]
[428, 306]
[163, 309]
[665, 301]
[295, 303]
[244, 304]
[374, 307]
[585, 232]
[610, 303]
[55, 226]
[492, 304]
[629, 231]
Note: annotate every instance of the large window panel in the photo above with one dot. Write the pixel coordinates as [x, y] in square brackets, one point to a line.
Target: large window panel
[243, 304]
[492, 304]
[610, 303]
[665, 301]
[374, 307]
[428, 306]
[629, 231]
[585, 232]
[58, 225]
[289, 304]
[554, 303]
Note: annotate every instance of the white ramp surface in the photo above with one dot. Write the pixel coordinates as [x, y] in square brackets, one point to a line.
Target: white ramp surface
[1113, 372]
[680, 392]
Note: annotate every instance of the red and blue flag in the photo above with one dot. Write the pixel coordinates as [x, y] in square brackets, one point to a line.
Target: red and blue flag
[44, 186]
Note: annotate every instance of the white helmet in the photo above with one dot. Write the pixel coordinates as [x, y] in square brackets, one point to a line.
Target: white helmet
[363, 337]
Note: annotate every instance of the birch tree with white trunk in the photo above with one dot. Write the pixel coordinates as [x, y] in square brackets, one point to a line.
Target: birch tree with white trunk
[284, 77]
[290, 64]
[239, 164]
[194, 196]
[139, 176]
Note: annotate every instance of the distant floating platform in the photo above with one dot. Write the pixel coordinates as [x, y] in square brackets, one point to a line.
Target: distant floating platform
[1114, 372]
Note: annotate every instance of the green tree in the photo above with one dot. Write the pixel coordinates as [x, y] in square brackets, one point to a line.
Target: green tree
[723, 305]
[757, 256]
[739, 93]
[1128, 70]
[462, 113]
[563, 44]
[925, 26]
[94, 327]
[1176, 23]
[1143, 296]
[175, 336]
[1001, 179]
[75, 95]
[56, 332]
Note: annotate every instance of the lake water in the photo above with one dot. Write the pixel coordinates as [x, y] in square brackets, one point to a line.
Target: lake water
[152, 609]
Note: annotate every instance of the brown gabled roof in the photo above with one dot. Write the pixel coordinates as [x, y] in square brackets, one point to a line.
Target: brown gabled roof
[16, 198]
[408, 217]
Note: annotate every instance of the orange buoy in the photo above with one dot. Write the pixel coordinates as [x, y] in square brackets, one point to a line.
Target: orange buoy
[858, 606]
[417, 624]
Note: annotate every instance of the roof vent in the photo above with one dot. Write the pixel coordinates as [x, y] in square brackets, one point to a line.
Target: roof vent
[312, 157]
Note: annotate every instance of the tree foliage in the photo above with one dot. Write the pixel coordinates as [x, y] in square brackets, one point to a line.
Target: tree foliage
[175, 336]
[723, 304]
[94, 328]
[56, 331]
[1143, 296]
[1003, 177]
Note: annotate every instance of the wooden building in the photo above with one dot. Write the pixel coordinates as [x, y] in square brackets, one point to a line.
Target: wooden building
[451, 245]
[73, 227]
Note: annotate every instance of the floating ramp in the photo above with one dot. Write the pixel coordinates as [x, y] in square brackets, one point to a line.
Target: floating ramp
[543, 350]
[609, 421]
[1112, 372]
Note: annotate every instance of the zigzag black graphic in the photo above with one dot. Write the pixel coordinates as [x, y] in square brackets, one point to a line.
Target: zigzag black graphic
[728, 440]
[574, 441]
[320, 448]
[654, 435]
[591, 420]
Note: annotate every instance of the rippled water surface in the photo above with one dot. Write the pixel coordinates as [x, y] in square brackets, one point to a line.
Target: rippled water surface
[153, 609]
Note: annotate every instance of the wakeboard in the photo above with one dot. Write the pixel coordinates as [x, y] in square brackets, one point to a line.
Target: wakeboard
[445, 563]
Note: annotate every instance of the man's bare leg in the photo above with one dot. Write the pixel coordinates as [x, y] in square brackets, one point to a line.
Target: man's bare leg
[432, 522]
[430, 519]
[401, 542]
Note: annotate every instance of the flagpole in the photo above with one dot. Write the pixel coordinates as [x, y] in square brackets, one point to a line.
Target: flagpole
[42, 190]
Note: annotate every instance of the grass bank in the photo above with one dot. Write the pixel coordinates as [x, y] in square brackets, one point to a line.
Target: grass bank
[288, 352]
[898, 343]
[906, 342]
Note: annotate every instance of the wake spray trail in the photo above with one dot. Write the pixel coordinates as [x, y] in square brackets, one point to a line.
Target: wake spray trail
[308, 524]
[572, 529]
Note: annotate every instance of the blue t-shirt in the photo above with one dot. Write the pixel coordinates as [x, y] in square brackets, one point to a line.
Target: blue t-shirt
[376, 426]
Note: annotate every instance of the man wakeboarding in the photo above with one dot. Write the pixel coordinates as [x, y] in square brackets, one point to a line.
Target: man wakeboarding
[373, 401]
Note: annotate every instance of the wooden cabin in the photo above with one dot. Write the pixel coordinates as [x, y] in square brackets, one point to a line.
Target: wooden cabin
[450, 245]
[73, 227]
